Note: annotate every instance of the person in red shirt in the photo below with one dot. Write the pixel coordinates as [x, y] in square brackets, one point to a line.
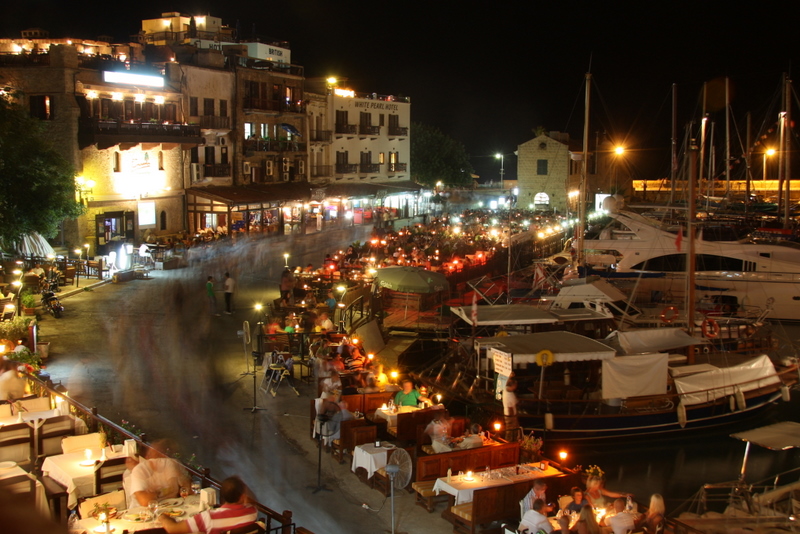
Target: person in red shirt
[236, 511]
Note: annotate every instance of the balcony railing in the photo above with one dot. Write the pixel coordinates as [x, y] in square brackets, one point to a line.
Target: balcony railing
[260, 64]
[398, 167]
[211, 122]
[321, 171]
[279, 106]
[217, 170]
[107, 133]
[346, 168]
[321, 136]
[369, 167]
[347, 129]
[272, 145]
[369, 130]
[399, 131]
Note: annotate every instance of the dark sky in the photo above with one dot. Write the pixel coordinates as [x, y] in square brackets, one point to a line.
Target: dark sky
[488, 73]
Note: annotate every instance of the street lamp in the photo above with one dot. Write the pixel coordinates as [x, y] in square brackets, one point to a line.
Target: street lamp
[286, 259]
[502, 158]
[769, 152]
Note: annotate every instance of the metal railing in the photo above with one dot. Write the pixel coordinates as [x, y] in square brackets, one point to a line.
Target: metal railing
[369, 167]
[398, 167]
[321, 136]
[120, 127]
[320, 171]
[346, 168]
[346, 129]
[400, 131]
[365, 129]
[213, 122]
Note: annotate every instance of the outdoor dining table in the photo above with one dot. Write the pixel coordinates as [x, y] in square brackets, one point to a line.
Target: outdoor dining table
[140, 518]
[75, 472]
[40, 498]
[391, 415]
[27, 417]
[462, 488]
[370, 457]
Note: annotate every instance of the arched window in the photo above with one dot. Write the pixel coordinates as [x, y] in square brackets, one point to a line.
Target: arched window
[160, 160]
[163, 220]
[541, 198]
[117, 162]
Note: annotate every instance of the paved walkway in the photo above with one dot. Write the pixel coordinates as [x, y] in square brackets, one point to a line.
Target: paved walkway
[149, 352]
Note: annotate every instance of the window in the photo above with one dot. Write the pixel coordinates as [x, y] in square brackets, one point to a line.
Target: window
[160, 160]
[248, 130]
[366, 119]
[117, 162]
[128, 107]
[223, 155]
[169, 112]
[264, 131]
[393, 157]
[210, 153]
[163, 220]
[193, 106]
[381, 119]
[341, 158]
[541, 167]
[541, 198]
[208, 107]
[381, 156]
[366, 158]
[194, 155]
[41, 108]
[223, 108]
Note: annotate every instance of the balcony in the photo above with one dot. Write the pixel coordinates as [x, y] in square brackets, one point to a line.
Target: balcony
[366, 130]
[321, 136]
[107, 133]
[397, 167]
[321, 171]
[217, 170]
[275, 106]
[211, 122]
[397, 131]
[272, 145]
[346, 168]
[346, 129]
[369, 168]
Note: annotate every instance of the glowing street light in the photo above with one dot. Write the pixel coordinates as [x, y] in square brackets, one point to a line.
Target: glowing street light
[286, 259]
[502, 158]
[619, 150]
[769, 152]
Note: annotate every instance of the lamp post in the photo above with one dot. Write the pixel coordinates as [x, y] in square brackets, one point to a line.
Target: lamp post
[502, 158]
[769, 152]
[79, 252]
[286, 259]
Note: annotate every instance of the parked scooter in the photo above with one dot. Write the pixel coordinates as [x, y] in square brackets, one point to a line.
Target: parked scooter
[51, 303]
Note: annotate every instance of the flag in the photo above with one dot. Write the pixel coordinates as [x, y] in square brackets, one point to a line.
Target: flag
[538, 276]
[679, 239]
[474, 308]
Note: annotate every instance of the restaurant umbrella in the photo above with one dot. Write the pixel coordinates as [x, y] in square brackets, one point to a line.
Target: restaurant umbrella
[411, 280]
[33, 244]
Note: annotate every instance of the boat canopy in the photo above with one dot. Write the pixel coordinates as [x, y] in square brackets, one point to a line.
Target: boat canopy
[650, 340]
[523, 314]
[778, 437]
[724, 381]
[565, 346]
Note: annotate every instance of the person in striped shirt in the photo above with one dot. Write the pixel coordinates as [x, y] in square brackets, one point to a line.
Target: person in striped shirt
[236, 511]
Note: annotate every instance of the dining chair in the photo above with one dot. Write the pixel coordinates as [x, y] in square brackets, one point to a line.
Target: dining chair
[115, 499]
[17, 443]
[251, 528]
[108, 475]
[95, 440]
[49, 433]
[5, 410]
[35, 404]
[20, 485]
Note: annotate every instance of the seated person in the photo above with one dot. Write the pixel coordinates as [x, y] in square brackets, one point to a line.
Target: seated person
[473, 438]
[157, 476]
[538, 491]
[336, 364]
[12, 385]
[578, 500]
[331, 385]
[236, 511]
[408, 396]
[535, 519]
[620, 522]
[586, 524]
[371, 387]
[335, 426]
[653, 521]
[324, 323]
[354, 361]
[439, 431]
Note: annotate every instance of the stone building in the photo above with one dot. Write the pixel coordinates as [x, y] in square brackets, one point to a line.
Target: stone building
[543, 171]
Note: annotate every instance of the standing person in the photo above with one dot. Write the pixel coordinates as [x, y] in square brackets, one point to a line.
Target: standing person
[287, 284]
[236, 511]
[212, 298]
[319, 221]
[510, 403]
[230, 285]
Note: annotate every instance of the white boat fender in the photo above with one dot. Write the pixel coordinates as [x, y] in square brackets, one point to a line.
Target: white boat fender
[706, 349]
[732, 403]
[786, 395]
[549, 424]
[740, 400]
[681, 414]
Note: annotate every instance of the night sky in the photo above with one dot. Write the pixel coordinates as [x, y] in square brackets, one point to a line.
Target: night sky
[489, 73]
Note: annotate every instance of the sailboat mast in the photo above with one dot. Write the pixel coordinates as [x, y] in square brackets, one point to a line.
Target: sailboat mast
[787, 120]
[584, 170]
[727, 136]
[690, 233]
[673, 169]
[748, 164]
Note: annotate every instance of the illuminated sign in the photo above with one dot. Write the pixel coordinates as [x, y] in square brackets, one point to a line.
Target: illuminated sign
[349, 93]
[147, 213]
[133, 79]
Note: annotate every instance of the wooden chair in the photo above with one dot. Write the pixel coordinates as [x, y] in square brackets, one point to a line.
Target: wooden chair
[345, 441]
[17, 443]
[58, 497]
[94, 440]
[108, 475]
[364, 434]
[49, 433]
[252, 528]
[35, 404]
[22, 485]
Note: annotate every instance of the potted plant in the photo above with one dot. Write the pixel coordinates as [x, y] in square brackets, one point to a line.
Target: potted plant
[28, 301]
[15, 329]
[530, 448]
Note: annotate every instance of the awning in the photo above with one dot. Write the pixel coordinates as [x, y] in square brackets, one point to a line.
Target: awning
[254, 193]
[651, 340]
[635, 376]
[778, 437]
[565, 346]
[704, 387]
[291, 129]
[522, 314]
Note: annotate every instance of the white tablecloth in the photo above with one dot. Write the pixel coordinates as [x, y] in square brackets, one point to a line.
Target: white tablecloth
[463, 489]
[391, 417]
[80, 426]
[66, 469]
[42, 506]
[131, 520]
[369, 457]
